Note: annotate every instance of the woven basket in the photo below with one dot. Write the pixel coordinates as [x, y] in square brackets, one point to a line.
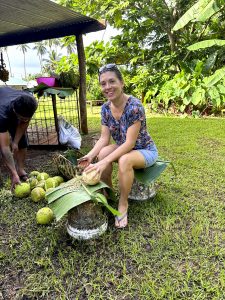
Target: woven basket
[65, 167]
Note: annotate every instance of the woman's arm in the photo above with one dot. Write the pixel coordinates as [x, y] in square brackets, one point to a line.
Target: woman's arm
[131, 137]
[103, 141]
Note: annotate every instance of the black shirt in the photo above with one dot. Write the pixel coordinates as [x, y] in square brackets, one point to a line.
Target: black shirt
[7, 116]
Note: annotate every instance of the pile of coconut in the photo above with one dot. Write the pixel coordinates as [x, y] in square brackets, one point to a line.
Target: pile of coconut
[36, 187]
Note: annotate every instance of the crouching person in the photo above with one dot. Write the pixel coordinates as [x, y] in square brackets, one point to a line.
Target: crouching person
[16, 110]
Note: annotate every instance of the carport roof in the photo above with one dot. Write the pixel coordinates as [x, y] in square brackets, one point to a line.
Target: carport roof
[26, 21]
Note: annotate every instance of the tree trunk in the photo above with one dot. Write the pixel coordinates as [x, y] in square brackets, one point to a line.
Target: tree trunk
[82, 87]
[10, 69]
[172, 41]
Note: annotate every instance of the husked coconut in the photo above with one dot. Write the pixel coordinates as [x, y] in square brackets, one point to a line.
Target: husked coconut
[91, 178]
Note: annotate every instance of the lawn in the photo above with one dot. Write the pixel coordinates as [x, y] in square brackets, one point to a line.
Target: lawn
[174, 247]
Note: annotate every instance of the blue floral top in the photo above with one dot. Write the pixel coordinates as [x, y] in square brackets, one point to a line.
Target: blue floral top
[133, 112]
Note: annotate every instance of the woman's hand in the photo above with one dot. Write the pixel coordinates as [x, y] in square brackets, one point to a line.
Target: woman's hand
[84, 162]
[99, 167]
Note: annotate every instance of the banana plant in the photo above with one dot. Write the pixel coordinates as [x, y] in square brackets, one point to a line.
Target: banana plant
[201, 11]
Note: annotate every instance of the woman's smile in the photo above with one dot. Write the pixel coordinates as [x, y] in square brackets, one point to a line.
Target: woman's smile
[111, 86]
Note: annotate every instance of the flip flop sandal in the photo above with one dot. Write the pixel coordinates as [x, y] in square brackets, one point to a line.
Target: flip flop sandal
[23, 177]
[119, 219]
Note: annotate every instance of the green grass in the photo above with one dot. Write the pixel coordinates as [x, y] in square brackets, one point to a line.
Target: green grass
[174, 247]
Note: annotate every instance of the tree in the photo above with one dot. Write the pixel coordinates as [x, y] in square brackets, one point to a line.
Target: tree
[24, 48]
[69, 43]
[5, 49]
[51, 62]
[41, 50]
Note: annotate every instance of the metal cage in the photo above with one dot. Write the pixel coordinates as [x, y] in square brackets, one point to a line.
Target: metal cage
[43, 129]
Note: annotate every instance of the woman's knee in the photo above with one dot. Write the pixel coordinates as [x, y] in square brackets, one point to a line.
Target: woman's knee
[125, 163]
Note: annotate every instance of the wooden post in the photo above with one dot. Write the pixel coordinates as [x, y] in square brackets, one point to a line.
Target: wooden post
[82, 87]
[55, 115]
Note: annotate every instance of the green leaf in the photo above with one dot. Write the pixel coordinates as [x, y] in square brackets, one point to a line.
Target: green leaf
[54, 195]
[96, 187]
[198, 96]
[214, 95]
[210, 62]
[147, 175]
[192, 14]
[68, 195]
[67, 202]
[102, 199]
[208, 11]
[206, 44]
[221, 88]
[213, 79]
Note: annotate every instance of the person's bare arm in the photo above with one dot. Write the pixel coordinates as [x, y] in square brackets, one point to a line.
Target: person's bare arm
[20, 130]
[131, 137]
[103, 141]
[8, 157]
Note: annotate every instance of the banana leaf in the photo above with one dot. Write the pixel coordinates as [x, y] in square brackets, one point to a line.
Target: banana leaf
[148, 175]
[67, 202]
[192, 14]
[102, 199]
[213, 79]
[65, 197]
[206, 44]
[60, 191]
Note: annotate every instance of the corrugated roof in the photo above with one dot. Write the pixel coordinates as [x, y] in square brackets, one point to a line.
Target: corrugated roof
[25, 21]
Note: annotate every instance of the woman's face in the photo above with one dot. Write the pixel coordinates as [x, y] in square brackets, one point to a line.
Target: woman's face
[111, 86]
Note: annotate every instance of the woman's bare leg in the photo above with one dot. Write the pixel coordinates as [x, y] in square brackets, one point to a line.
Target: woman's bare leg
[127, 163]
[107, 174]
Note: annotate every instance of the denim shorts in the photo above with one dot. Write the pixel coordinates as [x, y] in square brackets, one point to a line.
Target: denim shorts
[149, 155]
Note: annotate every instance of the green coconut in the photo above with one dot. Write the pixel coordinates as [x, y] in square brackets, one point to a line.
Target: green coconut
[42, 176]
[41, 183]
[59, 179]
[22, 190]
[33, 182]
[37, 194]
[44, 216]
[34, 174]
[50, 183]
